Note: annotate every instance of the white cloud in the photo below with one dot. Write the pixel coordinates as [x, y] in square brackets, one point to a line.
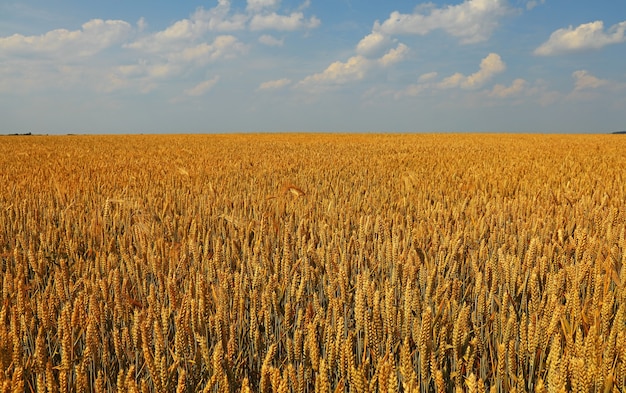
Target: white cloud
[223, 47]
[146, 74]
[111, 82]
[94, 36]
[584, 80]
[142, 24]
[143, 71]
[275, 84]
[274, 21]
[394, 55]
[519, 91]
[218, 18]
[202, 87]
[340, 72]
[411, 90]
[305, 4]
[163, 39]
[427, 76]
[258, 5]
[589, 87]
[174, 62]
[221, 19]
[502, 91]
[584, 37]
[270, 40]
[161, 70]
[151, 58]
[530, 4]
[452, 81]
[489, 66]
[354, 69]
[471, 21]
[142, 78]
[182, 29]
[372, 44]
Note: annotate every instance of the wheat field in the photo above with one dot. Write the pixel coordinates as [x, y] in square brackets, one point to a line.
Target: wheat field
[313, 263]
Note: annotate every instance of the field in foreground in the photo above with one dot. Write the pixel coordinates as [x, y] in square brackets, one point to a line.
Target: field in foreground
[295, 263]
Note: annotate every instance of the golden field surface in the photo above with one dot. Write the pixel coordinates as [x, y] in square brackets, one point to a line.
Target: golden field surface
[301, 263]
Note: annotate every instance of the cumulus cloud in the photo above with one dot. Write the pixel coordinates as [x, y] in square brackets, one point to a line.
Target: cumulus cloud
[471, 21]
[372, 44]
[142, 71]
[60, 58]
[584, 37]
[584, 80]
[305, 4]
[452, 81]
[340, 72]
[202, 87]
[274, 21]
[354, 69]
[270, 40]
[146, 74]
[141, 77]
[150, 57]
[502, 91]
[489, 66]
[223, 47]
[411, 90]
[585, 83]
[589, 87]
[218, 18]
[530, 4]
[394, 55]
[275, 84]
[258, 5]
[173, 61]
[221, 19]
[427, 76]
[94, 36]
[142, 24]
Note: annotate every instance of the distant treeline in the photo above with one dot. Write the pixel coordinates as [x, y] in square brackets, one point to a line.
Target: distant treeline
[619, 132]
[17, 134]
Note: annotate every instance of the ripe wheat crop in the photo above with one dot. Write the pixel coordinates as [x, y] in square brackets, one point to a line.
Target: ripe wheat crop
[313, 263]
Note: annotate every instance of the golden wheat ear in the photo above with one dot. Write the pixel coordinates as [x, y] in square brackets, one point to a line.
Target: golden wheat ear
[296, 191]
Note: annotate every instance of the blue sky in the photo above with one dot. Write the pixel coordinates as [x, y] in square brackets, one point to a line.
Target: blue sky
[312, 65]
